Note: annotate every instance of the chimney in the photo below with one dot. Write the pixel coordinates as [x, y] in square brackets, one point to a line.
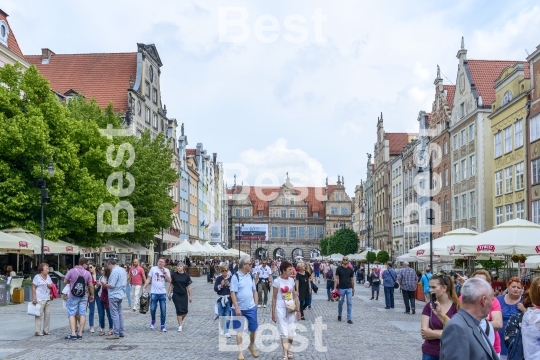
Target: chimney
[46, 54]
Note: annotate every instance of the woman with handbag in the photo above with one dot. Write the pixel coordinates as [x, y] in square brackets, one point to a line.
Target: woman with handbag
[285, 307]
[375, 283]
[102, 302]
[222, 287]
[41, 294]
[303, 287]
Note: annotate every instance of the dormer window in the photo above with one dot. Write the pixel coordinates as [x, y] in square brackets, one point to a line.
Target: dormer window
[4, 32]
[507, 97]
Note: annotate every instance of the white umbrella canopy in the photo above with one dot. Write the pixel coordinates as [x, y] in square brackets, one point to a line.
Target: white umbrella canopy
[11, 243]
[210, 249]
[49, 246]
[184, 248]
[445, 245]
[363, 254]
[335, 257]
[355, 257]
[200, 248]
[221, 251]
[234, 252]
[511, 237]
[532, 262]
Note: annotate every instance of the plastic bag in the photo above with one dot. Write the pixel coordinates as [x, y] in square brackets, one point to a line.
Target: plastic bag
[34, 310]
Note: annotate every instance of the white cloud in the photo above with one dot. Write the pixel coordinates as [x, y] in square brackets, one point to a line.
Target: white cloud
[269, 165]
[417, 94]
[422, 72]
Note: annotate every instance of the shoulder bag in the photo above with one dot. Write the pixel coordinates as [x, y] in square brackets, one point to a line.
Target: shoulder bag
[396, 285]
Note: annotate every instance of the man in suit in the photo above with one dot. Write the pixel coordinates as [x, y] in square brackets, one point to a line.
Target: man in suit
[462, 337]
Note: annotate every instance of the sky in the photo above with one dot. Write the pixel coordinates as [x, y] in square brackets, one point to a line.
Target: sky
[288, 86]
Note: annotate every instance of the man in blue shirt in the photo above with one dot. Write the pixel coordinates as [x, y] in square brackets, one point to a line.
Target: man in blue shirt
[389, 279]
[116, 285]
[244, 299]
[425, 283]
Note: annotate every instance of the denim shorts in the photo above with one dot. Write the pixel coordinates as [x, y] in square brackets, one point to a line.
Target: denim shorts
[77, 305]
[251, 317]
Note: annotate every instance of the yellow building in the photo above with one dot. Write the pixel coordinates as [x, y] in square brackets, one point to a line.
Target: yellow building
[508, 141]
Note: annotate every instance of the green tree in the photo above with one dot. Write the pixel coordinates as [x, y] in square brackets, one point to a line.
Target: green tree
[33, 125]
[371, 257]
[324, 244]
[382, 257]
[344, 241]
[491, 264]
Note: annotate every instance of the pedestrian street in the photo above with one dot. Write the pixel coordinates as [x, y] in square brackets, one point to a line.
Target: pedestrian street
[376, 333]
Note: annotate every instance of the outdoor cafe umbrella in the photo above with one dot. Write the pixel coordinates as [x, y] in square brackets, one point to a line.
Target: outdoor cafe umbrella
[183, 248]
[336, 257]
[516, 236]
[222, 251]
[200, 248]
[234, 252]
[14, 244]
[445, 245]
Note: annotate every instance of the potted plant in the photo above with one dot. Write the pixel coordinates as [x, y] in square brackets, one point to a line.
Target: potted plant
[522, 258]
[460, 262]
[515, 258]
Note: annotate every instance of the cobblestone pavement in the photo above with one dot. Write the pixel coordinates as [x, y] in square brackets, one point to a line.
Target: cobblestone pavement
[376, 333]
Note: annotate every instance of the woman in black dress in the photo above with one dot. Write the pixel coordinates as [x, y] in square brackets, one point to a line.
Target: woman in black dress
[181, 293]
[303, 286]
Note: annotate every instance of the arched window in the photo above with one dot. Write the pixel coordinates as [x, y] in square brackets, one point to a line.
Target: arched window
[507, 97]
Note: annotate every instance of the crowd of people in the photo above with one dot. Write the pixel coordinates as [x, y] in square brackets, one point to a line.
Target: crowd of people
[459, 309]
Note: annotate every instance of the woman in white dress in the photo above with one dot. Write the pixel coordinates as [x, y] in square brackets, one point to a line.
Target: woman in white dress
[41, 294]
[283, 298]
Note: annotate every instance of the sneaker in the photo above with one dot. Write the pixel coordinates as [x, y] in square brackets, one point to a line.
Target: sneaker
[92, 329]
[349, 321]
[228, 336]
[413, 312]
[71, 337]
[339, 318]
[152, 325]
[134, 309]
[259, 305]
[79, 337]
[163, 328]
[179, 329]
[112, 337]
[264, 305]
[121, 335]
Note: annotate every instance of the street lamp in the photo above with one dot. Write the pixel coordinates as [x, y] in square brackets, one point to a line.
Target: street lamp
[239, 237]
[252, 233]
[366, 223]
[42, 184]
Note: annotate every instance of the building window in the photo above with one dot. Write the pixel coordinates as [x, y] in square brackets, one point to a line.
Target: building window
[154, 96]
[247, 212]
[507, 97]
[147, 89]
[518, 133]
[334, 210]
[283, 213]
[463, 137]
[274, 231]
[292, 201]
[509, 212]
[154, 121]
[311, 232]
[445, 148]
[535, 171]
[315, 214]
[292, 232]
[473, 203]
[520, 210]
[283, 201]
[508, 180]
[464, 205]
[472, 164]
[456, 173]
[446, 210]
[147, 115]
[519, 176]
[319, 232]
[498, 215]
[446, 178]
[508, 139]
[292, 214]
[344, 210]
[471, 132]
[464, 169]
[237, 212]
[456, 208]
[455, 142]
[283, 231]
[261, 213]
[302, 232]
[498, 144]
[335, 225]
[462, 109]
[535, 128]
[498, 183]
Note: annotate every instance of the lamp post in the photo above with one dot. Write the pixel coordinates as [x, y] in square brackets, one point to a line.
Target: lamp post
[41, 183]
[239, 237]
[252, 233]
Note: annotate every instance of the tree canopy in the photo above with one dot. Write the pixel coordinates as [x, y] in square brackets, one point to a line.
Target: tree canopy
[343, 241]
[36, 128]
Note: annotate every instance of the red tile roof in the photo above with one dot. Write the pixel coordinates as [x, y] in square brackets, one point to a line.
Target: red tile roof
[13, 45]
[527, 70]
[484, 73]
[397, 142]
[450, 92]
[191, 152]
[261, 196]
[103, 77]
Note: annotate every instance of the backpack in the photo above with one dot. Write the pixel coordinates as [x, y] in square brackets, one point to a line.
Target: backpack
[515, 349]
[78, 287]
[329, 274]
[238, 278]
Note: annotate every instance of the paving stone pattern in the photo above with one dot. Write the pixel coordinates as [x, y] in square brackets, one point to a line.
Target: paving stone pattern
[376, 333]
